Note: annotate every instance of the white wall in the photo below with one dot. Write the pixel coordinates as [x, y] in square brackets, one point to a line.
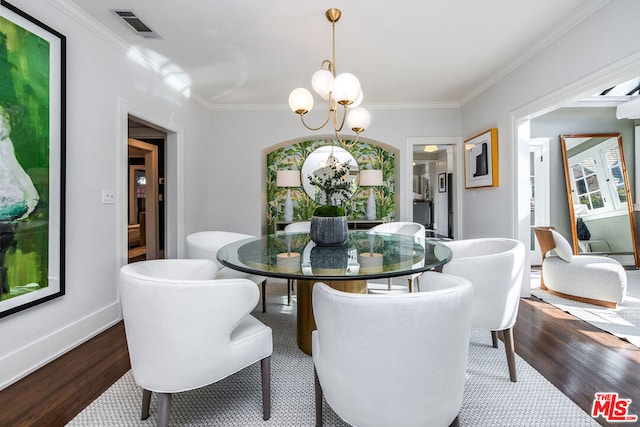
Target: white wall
[99, 77]
[586, 52]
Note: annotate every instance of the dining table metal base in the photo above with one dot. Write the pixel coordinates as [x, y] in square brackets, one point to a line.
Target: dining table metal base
[305, 321]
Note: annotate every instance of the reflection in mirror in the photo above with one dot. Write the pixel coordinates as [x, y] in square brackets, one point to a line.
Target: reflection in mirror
[136, 229]
[318, 164]
[137, 192]
[600, 205]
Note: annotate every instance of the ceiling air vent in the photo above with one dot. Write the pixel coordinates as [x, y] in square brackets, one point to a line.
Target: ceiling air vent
[135, 23]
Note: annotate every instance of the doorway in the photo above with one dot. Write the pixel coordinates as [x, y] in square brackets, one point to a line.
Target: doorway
[582, 89]
[540, 200]
[146, 216]
[434, 186]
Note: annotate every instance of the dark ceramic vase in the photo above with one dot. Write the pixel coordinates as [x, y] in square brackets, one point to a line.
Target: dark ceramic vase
[329, 231]
[329, 260]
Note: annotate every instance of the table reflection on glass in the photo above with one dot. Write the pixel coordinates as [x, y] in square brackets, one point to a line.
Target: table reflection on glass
[366, 255]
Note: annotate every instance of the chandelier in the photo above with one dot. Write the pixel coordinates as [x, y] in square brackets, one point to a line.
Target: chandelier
[342, 92]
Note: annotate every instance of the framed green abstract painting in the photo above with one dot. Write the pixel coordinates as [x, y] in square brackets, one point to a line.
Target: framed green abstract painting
[32, 161]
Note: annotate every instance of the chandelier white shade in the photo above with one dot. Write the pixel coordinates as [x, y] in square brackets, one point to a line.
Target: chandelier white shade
[358, 101]
[340, 91]
[322, 83]
[358, 119]
[346, 89]
[300, 101]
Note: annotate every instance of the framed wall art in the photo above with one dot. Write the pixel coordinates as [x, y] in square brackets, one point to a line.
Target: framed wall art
[442, 183]
[481, 160]
[32, 161]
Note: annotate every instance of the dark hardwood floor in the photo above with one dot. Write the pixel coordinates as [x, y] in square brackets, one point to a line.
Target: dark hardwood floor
[55, 393]
[576, 357]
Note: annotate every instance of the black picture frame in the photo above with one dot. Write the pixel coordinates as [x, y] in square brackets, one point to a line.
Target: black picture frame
[442, 183]
[32, 227]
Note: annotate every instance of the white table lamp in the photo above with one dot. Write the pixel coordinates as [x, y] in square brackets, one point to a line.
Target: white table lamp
[288, 178]
[371, 178]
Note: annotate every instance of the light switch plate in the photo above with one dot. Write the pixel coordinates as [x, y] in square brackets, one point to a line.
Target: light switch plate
[108, 197]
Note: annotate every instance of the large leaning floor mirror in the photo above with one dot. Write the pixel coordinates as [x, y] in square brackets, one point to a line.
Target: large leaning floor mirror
[600, 205]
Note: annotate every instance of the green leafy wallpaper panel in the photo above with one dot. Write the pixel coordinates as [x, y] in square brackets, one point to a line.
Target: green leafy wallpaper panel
[368, 156]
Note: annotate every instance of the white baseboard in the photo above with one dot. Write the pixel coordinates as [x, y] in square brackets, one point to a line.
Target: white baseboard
[28, 359]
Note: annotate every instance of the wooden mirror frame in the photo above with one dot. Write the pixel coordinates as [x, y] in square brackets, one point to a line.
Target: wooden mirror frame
[567, 176]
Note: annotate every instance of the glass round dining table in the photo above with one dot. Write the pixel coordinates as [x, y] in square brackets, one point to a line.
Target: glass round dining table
[365, 256]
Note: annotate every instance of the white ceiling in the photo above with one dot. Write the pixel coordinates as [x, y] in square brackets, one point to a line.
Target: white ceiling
[233, 54]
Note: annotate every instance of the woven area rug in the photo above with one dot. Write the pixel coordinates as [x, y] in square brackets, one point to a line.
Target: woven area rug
[623, 322]
[490, 399]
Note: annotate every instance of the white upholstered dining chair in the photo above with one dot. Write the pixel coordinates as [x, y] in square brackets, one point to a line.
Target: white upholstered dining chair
[205, 245]
[393, 359]
[186, 330]
[408, 229]
[495, 268]
[295, 227]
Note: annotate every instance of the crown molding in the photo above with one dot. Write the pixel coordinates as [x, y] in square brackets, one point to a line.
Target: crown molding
[371, 106]
[568, 25]
[84, 19]
[81, 17]
[94, 26]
